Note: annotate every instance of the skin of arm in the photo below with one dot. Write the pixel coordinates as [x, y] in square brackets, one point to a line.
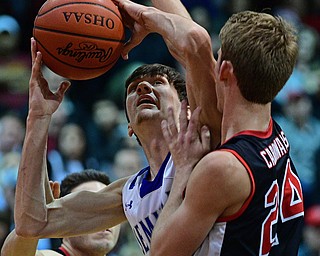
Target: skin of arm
[172, 6]
[191, 45]
[15, 245]
[218, 186]
[35, 218]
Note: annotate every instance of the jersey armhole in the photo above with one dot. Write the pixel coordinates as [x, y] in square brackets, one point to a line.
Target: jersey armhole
[253, 188]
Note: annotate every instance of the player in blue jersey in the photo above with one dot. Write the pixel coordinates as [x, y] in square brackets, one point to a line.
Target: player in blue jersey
[151, 91]
[98, 244]
[244, 197]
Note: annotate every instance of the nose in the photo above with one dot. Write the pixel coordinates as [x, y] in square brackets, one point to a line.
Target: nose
[144, 87]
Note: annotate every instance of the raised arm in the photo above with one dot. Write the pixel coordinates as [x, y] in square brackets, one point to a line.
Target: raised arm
[33, 216]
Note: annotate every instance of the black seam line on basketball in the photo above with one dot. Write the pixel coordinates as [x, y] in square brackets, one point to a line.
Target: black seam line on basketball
[76, 34]
[102, 67]
[61, 5]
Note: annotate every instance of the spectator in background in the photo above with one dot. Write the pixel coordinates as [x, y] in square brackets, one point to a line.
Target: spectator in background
[12, 132]
[72, 155]
[303, 132]
[126, 162]
[14, 66]
[107, 135]
[306, 74]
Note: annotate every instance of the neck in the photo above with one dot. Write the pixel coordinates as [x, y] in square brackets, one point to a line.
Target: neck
[156, 152]
[245, 116]
[154, 146]
[70, 251]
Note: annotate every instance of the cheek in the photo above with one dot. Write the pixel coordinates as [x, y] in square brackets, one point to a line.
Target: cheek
[129, 106]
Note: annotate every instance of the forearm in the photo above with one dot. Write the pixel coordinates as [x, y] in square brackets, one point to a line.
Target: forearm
[191, 45]
[30, 199]
[171, 6]
[103, 209]
[167, 216]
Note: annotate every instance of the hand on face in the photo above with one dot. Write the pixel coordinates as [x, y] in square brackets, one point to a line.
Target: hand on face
[189, 143]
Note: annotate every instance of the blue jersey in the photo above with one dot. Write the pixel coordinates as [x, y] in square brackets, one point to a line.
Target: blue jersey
[270, 221]
[144, 199]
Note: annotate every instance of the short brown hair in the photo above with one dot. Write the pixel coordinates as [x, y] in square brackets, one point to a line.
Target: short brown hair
[263, 51]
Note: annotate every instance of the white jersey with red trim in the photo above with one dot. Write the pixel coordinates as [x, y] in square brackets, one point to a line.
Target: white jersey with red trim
[143, 200]
[271, 221]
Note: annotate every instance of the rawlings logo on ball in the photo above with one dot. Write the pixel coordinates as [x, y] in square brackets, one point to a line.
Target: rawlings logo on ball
[86, 50]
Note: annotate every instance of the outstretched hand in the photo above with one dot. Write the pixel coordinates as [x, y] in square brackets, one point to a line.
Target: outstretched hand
[188, 143]
[42, 102]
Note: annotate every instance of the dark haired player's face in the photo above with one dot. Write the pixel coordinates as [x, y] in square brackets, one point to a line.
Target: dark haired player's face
[102, 241]
[148, 98]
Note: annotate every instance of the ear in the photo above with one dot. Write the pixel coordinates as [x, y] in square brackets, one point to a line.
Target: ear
[226, 70]
[130, 130]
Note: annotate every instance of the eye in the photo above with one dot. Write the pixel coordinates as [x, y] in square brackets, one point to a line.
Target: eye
[131, 88]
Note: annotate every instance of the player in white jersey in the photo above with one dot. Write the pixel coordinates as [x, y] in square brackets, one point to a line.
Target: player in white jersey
[143, 201]
[151, 92]
[145, 193]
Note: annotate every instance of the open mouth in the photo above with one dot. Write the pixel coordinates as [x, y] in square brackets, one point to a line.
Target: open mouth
[146, 100]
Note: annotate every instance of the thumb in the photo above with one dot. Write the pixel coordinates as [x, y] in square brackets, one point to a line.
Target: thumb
[56, 189]
[132, 43]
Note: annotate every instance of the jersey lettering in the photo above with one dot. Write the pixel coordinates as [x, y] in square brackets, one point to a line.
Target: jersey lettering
[277, 149]
[291, 206]
[269, 237]
[144, 229]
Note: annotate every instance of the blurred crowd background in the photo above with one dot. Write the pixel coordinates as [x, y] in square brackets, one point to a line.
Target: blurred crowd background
[89, 130]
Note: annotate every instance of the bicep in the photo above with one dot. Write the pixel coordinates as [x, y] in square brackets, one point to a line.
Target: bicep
[15, 245]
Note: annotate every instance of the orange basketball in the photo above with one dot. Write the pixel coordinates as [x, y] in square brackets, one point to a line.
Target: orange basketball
[79, 39]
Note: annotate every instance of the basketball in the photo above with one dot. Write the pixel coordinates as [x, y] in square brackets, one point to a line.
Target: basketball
[79, 39]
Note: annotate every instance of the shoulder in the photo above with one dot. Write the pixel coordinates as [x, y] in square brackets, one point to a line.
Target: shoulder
[116, 186]
[219, 163]
[222, 177]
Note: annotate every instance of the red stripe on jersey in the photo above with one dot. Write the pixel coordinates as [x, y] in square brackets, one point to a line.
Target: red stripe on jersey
[253, 188]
